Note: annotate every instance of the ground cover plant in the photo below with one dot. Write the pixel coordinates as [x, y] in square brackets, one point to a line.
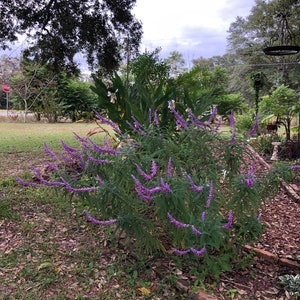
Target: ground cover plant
[189, 193]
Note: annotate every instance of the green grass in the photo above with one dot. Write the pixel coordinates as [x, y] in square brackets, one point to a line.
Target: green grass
[22, 137]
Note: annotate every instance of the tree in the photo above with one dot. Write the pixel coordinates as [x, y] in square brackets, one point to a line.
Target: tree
[283, 104]
[247, 38]
[229, 102]
[200, 88]
[57, 30]
[76, 98]
[176, 63]
[35, 86]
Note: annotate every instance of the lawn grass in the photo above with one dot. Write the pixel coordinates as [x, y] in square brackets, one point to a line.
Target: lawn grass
[22, 137]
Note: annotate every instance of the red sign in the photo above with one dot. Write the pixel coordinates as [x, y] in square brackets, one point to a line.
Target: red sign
[5, 88]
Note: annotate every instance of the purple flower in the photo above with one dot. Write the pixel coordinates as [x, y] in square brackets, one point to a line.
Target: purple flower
[296, 167]
[193, 250]
[181, 252]
[213, 114]
[177, 223]
[180, 121]
[143, 192]
[97, 148]
[164, 186]
[210, 195]
[153, 170]
[95, 221]
[196, 231]
[250, 180]
[195, 120]
[198, 252]
[51, 167]
[232, 125]
[78, 138]
[230, 221]
[203, 216]
[218, 124]
[71, 189]
[100, 180]
[97, 161]
[109, 122]
[194, 187]
[254, 128]
[25, 183]
[169, 170]
[136, 123]
[259, 217]
[134, 129]
[69, 149]
[50, 152]
[38, 175]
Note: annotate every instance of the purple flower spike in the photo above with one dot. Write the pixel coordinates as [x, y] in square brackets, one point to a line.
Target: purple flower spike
[50, 152]
[232, 125]
[198, 252]
[181, 252]
[296, 167]
[196, 121]
[250, 180]
[218, 124]
[210, 195]
[259, 217]
[180, 121]
[78, 138]
[154, 169]
[100, 180]
[165, 187]
[97, 161]
[177, 223]
[203, 216]
[95, 221]
[213, 114]
[93, 146]
[254, 128]
[196, 231]
[25, 183]
[108, 122]
[67, 148]
[194, 187]
[229, 223]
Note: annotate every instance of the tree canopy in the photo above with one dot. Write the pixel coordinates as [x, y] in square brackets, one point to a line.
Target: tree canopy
[57, 30]
[249, 35]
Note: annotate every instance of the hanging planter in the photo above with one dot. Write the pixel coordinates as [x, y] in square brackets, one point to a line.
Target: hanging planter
[283, 42]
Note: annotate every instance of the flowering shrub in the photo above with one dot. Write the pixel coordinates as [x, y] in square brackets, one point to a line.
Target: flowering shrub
[190, 193]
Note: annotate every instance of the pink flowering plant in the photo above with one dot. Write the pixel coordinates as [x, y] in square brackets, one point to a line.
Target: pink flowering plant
[188, 192]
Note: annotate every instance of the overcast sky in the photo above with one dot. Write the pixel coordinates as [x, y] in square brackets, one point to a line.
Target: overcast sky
[194, 28]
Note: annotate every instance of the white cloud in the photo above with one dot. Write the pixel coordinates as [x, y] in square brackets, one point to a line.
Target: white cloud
[193, 27]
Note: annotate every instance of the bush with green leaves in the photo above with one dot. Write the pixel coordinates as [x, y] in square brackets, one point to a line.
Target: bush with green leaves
[244, 123]
[192, 193]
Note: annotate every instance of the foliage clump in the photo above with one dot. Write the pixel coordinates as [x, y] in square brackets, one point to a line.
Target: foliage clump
[190, 192]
